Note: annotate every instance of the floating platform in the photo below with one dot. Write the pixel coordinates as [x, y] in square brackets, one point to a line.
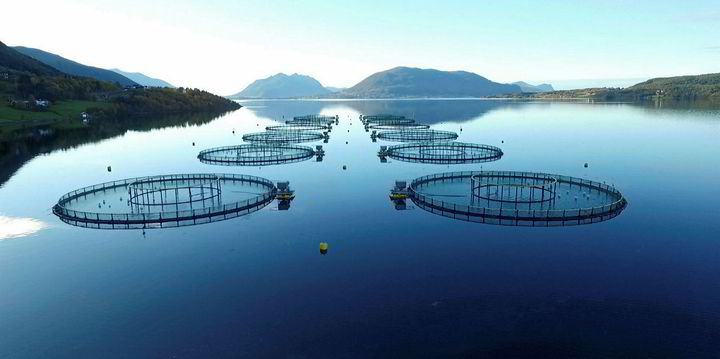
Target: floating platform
[442, 152]
[258, 154]
[517, 198]
[278, 137]
[165, 201]
[417, 135]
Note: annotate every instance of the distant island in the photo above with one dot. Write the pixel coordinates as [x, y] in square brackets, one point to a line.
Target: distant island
[415, 82]
[283, 86]
[409, 82]
[679, 88]
[398, 82]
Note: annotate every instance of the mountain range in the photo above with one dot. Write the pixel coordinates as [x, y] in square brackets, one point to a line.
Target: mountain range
[67, 66]
[25, 81]
[143, 79]
[396, 82]
[683, 88]
[11, 59]
[73, 68]
[283, 86]
[526, 87]
[415, 82]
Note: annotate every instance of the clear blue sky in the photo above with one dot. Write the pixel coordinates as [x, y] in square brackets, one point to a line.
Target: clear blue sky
[224, 45]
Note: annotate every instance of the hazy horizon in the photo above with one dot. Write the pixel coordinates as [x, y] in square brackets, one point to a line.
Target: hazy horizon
[222, 46]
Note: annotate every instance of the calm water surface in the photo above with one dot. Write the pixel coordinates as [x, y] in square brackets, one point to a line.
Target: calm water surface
[394, 283]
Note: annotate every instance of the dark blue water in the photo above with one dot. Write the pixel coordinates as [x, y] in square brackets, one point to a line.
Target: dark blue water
[394, 283]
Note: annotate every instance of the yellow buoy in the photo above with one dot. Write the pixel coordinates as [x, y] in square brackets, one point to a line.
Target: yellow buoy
[324, 247]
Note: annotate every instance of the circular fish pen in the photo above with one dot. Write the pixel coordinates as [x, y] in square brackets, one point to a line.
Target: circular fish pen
[299, 127]
[256, 154]
[397, 126]
[313, 119]
[165, 201]
[417, 135]
[278, 137]
[380, 117]
[442, 152]
[387, 120]
[516, 198]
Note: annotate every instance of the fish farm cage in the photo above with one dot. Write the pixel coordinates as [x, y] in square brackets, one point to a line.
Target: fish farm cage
[416, 135]
[441, 152]
[284, 137]
[366, 118]
[165, 201]
[316, 119]
[396, 126]
[386, 120]
[299, 127]
[258, 154]
[516, 198]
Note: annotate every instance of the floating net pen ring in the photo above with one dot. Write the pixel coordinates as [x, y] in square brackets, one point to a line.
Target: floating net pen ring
[313, 119]
[432, 151]
[283, 137]
[390, 121]
[417, 135]
[165, 201]
[397, 126]
[442, 152]
[367, 118]
[607, 202]
[328, 123]
[316, 117]
[299, 127]
[257, 154]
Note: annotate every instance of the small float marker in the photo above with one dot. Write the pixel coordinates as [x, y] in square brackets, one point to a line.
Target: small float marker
[109, 168]
[324, 248]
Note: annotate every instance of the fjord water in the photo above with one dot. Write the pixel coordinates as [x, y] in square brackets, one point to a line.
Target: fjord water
[394, 283]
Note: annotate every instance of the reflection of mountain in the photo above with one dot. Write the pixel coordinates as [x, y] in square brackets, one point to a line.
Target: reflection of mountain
[434, 111]
[423, 111]
[21, 146]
